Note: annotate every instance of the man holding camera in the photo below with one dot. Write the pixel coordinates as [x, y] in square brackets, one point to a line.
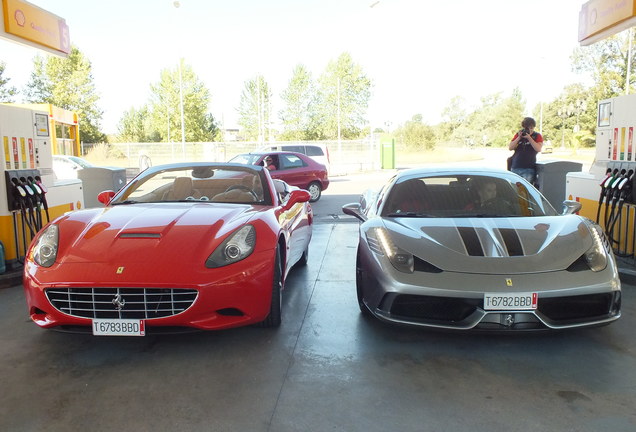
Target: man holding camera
[526, 144]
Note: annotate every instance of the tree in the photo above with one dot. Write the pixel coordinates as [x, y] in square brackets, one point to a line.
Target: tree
[68, 83]
[299, 99]
[571, 118]
[416, 135]
[343, 97]
[607, 61]
[165, 106]
[255, 110]
[493, 123]
[135, 126]
[7, 92]
[454, 115]
[497, 119]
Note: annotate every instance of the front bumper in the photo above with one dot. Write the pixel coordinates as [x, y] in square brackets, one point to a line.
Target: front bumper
[231, 296]
[455, 301]
[468, 313]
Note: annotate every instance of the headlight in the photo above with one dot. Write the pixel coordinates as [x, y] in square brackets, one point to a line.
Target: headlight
[596, 256]
[380, 243]
[44, 252]
[236, 247]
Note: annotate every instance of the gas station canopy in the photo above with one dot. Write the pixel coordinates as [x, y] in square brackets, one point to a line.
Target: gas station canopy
[28, 24]
[599, 19]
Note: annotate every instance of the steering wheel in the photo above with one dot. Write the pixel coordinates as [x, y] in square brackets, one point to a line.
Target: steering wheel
[497, 205]
[243, 188]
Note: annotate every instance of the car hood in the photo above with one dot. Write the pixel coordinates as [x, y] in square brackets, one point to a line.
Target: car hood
[148, 233]
[494, 245]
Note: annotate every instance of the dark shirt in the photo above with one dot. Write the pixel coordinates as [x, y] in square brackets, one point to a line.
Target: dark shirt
[525, 155]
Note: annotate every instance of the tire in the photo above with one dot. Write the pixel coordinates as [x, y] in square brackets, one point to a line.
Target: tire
[304, 259]
[314, 190]
[360, 287]
[275, 310]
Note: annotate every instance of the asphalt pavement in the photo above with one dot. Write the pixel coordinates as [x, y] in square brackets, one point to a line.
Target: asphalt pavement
[327, 368]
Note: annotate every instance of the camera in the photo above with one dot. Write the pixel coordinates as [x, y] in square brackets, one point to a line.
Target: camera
[524, 132]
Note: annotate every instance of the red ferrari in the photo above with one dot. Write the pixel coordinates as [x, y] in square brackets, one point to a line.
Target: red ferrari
[205, 246]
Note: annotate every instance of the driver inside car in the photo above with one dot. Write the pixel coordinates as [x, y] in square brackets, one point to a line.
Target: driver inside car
[486, 193]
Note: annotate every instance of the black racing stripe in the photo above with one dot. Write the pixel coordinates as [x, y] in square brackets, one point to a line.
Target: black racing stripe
[471, 241]
[511, 239]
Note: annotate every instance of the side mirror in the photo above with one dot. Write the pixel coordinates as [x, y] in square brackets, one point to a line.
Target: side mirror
[295, 197]
[570, 207]
[105, 197]
[355, 210]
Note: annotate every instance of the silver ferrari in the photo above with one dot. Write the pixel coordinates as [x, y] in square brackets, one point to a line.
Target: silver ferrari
[480, 249]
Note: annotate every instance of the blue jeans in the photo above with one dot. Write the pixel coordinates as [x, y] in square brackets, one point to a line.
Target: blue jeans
[526, 173]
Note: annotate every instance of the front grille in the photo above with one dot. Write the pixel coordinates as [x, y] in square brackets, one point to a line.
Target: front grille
[429, 307]
[577, 307]
[121, 303]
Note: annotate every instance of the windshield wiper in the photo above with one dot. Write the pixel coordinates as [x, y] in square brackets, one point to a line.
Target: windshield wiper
[410, 215]
[484, 215]
[126, 202]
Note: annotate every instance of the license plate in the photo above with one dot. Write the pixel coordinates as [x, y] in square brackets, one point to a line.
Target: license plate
[510, 301]
[119, 327]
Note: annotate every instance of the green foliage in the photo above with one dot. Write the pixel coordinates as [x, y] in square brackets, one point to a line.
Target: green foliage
[454, 115]
[416, 135]
[575, 105]
[255, 110]
[300, 100]
[135, 126]
[343, 98]
[68, 83]
[7, 92]
[165, 107]
[607, 61]
[493, 123]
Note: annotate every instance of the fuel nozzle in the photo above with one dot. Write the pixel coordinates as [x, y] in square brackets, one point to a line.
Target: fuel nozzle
[44, 190]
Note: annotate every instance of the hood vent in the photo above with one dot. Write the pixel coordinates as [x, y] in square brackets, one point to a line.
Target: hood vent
[140, 235]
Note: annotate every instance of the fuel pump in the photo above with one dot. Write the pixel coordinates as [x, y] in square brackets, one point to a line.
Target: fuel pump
[38, 181]
[613, 169]
[17, 200]
[39, 197]
[609, 195]
[623, 193]
[30, 135]
[609, 175]
[30, 203]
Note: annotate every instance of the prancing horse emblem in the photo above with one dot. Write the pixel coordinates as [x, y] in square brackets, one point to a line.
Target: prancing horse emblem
[508, 282]
[119, 302]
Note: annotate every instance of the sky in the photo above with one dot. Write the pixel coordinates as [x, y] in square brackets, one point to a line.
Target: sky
[419, 54]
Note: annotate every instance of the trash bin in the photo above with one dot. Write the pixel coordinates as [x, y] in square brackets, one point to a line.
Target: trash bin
[551, 179]
[98, 179]
[387, 152]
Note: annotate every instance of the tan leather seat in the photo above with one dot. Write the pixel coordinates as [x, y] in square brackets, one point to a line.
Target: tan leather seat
[181, 189]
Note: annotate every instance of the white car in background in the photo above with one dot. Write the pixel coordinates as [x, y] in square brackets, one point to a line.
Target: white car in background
[66, 167]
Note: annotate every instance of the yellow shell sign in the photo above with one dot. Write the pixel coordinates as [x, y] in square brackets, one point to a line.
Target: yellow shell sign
[33, 24]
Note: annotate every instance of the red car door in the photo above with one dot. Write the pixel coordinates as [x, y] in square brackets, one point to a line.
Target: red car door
[293, 170]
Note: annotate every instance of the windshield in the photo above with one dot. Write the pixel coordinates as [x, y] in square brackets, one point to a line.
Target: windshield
[81, 162]
[245, 159]
[465, 196]
[196, 184]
